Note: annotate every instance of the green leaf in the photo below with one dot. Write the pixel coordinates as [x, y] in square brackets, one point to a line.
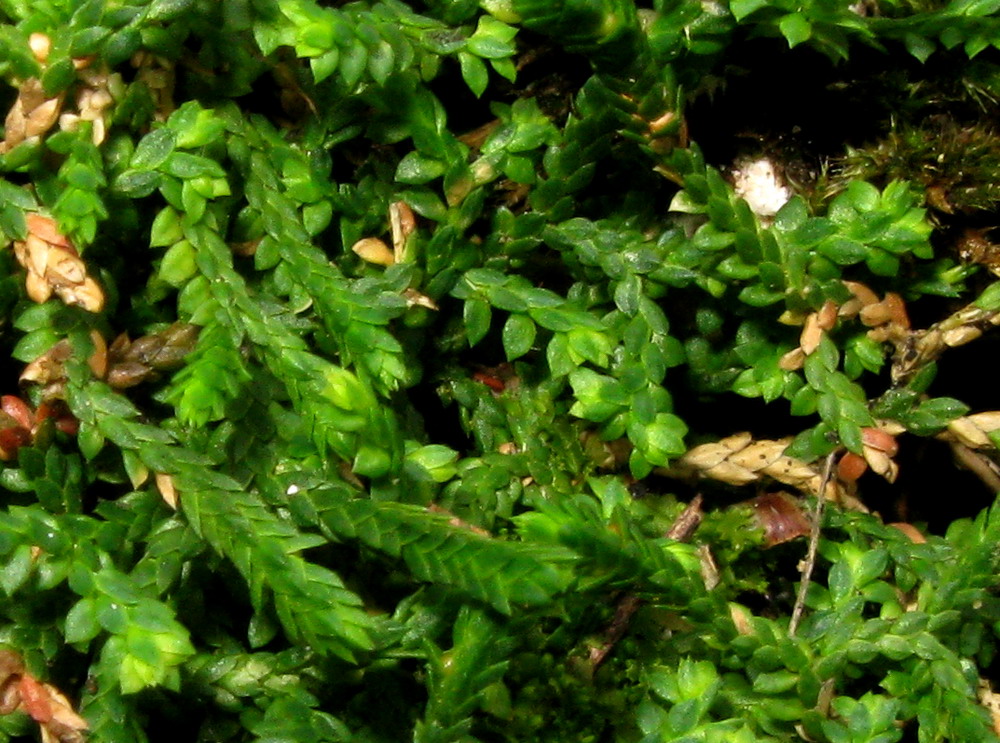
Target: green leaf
[165, 10]
[153, 149]
[416, 169]
[795, 28]
[81, 622]
[137, 184]
[477, 316]
[742, 8]
[474, 73]
[518, 336]
[179, 264]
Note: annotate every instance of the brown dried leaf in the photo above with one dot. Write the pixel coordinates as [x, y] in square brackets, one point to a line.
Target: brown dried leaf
[811, 335]
[708, 567]
[48, 367]
[914, 534]
[741, 617]
[897, 310]
[14, 126]
[125, 374]
[40, 45]
[862, 293]
[881, 463]
[98, 361]
[44, 703]
[961, 335]
[793, 360]
[827, 316]
[779, 515]
[33, 253]
[87, 295]
[403, 224]
[991, 701]
[881, 440]
[165, 484]
[851, 466]
[373, 250]
[739, 460]
[41, 119]
[419, 299]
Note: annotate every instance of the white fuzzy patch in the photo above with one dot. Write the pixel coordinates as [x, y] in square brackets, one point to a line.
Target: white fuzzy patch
[757, 181]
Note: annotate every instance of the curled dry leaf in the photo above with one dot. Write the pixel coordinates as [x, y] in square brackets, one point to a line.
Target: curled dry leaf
[31, 115]
[165, 484]
[40, 45]
[812, 334]
[133, 362]
[54, 266]
[44, 703]
[880, 440]
[93, 101]
[974, 430]
[826, 318]
[415, 298]
[850, 467]
[862, 293]
[779, 515]
[20, 426]
[913, 533]
[793, 360]
[373, 250]
[403, 223]
[881, 463]
[48, 370]
[878, 449]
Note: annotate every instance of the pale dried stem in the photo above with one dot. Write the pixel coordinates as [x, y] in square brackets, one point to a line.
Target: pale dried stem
[979, 464]
[920, 348]
[810, 561]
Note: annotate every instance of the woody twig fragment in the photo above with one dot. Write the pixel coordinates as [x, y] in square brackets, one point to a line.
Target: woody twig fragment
[55, 267]
[681, 530]
[810, 562]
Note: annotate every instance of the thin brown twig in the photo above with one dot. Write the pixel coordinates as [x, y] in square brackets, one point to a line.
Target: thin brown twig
[810, 561]
[680, 531]
[979, 464]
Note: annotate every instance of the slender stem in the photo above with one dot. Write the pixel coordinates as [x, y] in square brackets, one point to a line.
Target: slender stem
[810, 561]
[681, 530]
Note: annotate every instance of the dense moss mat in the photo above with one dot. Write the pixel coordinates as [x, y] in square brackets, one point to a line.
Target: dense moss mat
[468, 371]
